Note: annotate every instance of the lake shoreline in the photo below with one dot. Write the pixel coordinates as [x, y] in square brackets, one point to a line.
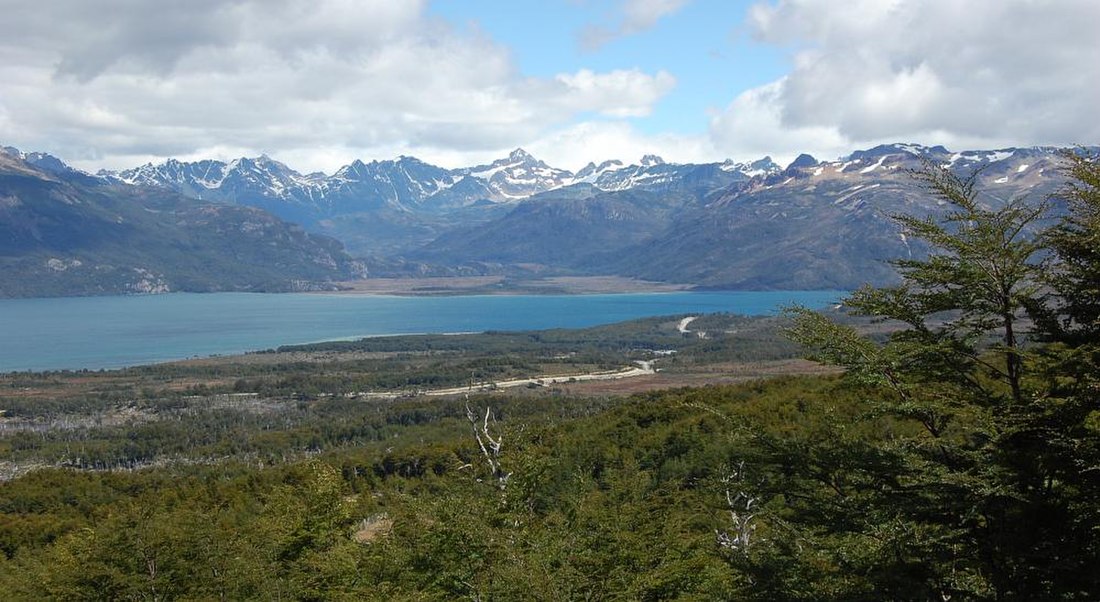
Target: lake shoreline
[500, 285]
[94, 333]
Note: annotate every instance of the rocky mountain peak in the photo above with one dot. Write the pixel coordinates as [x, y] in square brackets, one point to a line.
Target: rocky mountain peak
[761, 167]
[351, 170]
[520, 155]
[882, 150]
[802, 161]
[765, 164]
[591, 170]
[42, 162]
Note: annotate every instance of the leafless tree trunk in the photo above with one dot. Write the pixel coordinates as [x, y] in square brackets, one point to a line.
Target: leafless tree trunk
[742, 509]
[490, 446]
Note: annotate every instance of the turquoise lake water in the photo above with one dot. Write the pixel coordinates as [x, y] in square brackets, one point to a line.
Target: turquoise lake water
[110, 332]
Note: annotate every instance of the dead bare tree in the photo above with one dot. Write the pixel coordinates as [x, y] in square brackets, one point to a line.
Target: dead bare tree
[742, 509]
[490, 446]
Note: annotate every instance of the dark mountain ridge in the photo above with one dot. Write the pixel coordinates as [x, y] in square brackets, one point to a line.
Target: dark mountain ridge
[63, 232]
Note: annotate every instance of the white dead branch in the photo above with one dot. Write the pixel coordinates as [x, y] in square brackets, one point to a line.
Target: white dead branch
[490, 446]
[742, 509]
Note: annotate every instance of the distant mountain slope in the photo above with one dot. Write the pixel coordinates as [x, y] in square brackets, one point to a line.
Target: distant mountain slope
[824, 225]
[565, 228]
[65, 233]
[580, 226]
[811, 226]
[395, 206]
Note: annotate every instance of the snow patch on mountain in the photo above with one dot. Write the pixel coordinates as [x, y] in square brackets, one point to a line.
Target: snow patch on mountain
[874, 166]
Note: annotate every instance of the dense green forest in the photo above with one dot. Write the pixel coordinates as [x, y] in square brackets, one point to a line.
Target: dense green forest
[957, 457]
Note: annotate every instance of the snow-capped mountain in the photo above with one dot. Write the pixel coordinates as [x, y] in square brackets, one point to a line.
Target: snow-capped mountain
[43, 161]
[393, 204]
[592, 172]
[243, 180]
[518, 176]
[1022, 169]
[653, 173]
[401, 184]
[408, 183]
[404, 184]
[760, 167]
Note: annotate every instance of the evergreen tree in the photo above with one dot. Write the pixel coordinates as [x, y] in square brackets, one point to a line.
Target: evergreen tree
[1075, 242]
[975, 504]
[1061, 440]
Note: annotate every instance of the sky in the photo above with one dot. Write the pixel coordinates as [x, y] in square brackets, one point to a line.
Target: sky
[317, 84]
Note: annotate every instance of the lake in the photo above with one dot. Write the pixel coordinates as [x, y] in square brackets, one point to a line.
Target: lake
[111, 332]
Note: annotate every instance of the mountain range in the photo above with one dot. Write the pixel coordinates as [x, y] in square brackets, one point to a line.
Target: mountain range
[827, 225]
[753, 225]
[386, 208]
[812, 225]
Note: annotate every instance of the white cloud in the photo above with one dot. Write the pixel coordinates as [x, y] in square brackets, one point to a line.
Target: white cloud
[752, 126]
[606, 92]
[316, 84]
[639, 15]
[982, 73]
[636, 16]
[574, 146]
[103, 83]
